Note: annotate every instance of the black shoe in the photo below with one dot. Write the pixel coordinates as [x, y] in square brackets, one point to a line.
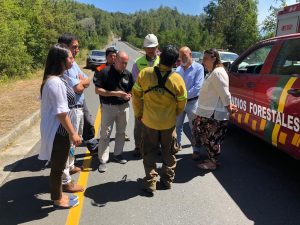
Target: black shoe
[162, 185]
[119, 159]
[92, 145]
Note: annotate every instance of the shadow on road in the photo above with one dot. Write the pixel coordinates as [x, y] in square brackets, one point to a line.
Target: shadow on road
[263, 181]
[118, 191]
[186, 169]
[31, 163]
[20, 200]
[95, 162]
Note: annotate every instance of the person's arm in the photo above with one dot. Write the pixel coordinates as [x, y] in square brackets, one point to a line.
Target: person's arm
[59, 102]
[135, 72]
[84, 80]
[198, 81]
[66, 123]
[98, 80]
[79, 88]
[137, 103]
[106, 93]
[221, 85]
[181, 95]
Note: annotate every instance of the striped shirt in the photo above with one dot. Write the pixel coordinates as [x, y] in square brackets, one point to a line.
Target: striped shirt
[71, 104]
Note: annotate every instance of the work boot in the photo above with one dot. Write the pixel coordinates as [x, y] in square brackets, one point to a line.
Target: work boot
[164, 185]
[147, 190]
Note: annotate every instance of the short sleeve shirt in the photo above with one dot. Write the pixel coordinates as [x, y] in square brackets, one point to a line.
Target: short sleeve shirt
[112, 80]
[72, 77]
[53, 102]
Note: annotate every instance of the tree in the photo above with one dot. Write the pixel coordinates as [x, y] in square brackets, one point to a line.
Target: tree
[235, 20]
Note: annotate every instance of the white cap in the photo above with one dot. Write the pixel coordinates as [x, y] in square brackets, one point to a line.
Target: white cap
[150, 41]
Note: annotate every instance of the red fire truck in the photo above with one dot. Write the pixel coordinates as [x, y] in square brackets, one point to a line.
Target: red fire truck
[265, 86]
[288, 20]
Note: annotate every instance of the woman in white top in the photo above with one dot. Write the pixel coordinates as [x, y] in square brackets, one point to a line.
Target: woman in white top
[56, 127]
[214, 107]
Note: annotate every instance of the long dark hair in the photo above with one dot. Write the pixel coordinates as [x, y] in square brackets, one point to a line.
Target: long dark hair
[214, 53]
[56, 62]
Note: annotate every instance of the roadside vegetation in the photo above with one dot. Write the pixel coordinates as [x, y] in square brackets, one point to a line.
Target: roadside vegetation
[29, 27]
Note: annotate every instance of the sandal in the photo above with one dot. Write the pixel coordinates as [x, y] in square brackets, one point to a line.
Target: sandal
[70, 197]
[208, 165]
[72, 203]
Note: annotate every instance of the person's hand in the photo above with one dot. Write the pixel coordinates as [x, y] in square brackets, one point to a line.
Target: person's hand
[122, 94]
[75, 138]
[128, 96]
[81, 77]
[232, 108]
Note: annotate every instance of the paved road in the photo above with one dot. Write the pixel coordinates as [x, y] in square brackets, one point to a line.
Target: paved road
[256, 184]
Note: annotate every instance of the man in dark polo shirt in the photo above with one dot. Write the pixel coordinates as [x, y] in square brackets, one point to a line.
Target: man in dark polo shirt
[113, 84]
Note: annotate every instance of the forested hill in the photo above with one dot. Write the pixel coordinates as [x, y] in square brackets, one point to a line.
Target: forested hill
[29, 27]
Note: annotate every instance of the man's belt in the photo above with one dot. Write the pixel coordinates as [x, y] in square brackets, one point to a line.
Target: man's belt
[78, 106]
[192, 99]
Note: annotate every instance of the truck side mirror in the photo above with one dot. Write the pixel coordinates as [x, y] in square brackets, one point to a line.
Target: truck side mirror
[227, 65]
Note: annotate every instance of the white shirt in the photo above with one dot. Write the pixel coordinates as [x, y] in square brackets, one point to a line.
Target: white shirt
[53, 101]
[214, 95]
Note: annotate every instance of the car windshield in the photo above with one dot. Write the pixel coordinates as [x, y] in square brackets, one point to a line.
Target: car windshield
[98, 53]
[196, 55]
[228, 56]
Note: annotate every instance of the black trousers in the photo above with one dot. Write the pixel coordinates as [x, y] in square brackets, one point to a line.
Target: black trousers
[88, 126]
[59, 155]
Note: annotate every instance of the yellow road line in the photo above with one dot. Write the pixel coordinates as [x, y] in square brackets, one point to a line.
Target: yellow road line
[280, 109]
[75, 213]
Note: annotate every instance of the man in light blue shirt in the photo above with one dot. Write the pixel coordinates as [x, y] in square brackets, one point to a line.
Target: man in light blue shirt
[193, 76]
[78, 81]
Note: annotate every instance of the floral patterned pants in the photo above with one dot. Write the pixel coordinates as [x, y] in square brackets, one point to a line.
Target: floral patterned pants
[210, 133]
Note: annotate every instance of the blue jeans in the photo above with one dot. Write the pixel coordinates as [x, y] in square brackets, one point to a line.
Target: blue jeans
[189, 111]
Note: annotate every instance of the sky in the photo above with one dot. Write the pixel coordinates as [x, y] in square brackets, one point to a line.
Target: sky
[192, 7]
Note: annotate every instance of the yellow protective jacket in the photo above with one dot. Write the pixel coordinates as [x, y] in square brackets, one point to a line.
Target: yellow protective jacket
[159, 108]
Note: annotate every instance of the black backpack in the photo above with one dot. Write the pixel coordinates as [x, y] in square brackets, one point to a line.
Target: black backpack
[161, 81]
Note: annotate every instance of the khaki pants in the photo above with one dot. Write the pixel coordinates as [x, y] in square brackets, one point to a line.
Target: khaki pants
[150, 141]
[109, 115]
[77, 122]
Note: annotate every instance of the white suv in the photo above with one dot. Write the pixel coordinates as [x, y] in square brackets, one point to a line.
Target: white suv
[228, 56]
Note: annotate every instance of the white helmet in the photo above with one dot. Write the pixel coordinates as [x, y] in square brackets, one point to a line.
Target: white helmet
[150, 41]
